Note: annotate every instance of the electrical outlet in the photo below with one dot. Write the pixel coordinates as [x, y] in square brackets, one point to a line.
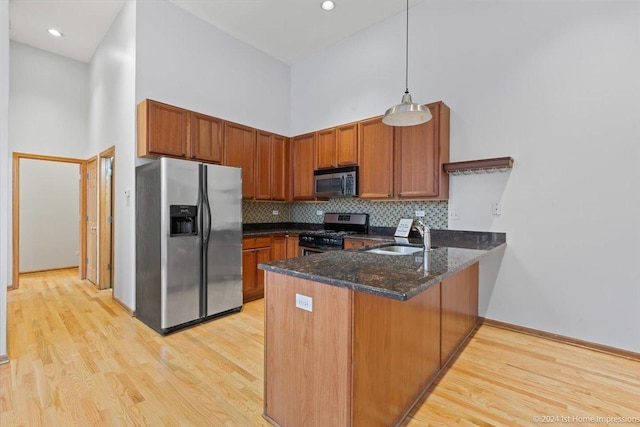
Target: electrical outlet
[496, 209]
[304, 302]
[420, 214]
[319, 212]
[275, 212]
[454, 214]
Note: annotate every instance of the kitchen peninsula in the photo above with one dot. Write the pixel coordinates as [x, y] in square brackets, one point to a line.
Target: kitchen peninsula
[355, 338]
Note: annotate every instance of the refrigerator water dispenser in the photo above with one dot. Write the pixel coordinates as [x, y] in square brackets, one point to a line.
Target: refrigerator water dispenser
[183, 220]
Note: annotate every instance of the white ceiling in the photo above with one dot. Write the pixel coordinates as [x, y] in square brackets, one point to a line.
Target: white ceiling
[285, 29]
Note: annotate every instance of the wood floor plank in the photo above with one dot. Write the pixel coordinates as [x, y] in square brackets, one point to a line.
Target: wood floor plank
[77, 358]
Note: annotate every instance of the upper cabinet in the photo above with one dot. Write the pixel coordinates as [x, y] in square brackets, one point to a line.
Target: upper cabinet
[420, 152]
[394, 162]
[302, 163]
[206, 138]
[271, 167]
[279, 167]
[162, 129]
[375, 154]
[347, 144]
[337, 147]
[326, 149]
[405, 161]
[165, 130]
[239, 151]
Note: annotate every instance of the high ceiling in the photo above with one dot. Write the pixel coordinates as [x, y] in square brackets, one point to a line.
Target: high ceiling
[285, 29]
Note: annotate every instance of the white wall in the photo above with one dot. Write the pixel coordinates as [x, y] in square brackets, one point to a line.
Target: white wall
[49, 215]
[48, 103]
[5, 177]
[112, 123]
[184, 61]
[553, 84]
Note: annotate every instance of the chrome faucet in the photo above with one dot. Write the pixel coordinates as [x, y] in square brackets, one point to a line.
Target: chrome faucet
[424, 231]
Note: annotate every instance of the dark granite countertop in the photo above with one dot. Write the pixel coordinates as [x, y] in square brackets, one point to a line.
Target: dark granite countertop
[449, 238]
[255, 233]
[399, 277]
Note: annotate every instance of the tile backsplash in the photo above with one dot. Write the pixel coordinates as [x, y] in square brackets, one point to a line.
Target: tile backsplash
[381, 213]
[261, 212]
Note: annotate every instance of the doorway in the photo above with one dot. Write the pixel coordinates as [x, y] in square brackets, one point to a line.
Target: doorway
[17, 159]
[106, 222]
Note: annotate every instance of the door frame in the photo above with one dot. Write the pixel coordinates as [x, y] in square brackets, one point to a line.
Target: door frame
[86, 222]
[106, 258]
[16, 211]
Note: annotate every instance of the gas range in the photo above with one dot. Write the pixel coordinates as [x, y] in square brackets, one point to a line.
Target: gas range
[336, 227]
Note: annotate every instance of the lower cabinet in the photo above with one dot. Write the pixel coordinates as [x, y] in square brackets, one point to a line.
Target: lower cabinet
[278, 247]
[458, 310]
[284, 246]
[292, 246]
[366, 357]
[255, 250]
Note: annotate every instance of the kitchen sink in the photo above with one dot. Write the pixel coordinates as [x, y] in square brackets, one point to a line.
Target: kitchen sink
[395, 250]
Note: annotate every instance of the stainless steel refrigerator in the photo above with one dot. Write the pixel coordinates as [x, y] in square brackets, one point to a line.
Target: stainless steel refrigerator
[188, 243]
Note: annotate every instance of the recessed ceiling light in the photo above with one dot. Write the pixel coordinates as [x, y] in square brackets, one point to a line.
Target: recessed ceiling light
[327, 5]
[54, 32]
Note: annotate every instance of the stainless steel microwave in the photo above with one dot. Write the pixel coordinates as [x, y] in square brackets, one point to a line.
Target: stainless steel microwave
[337, 182]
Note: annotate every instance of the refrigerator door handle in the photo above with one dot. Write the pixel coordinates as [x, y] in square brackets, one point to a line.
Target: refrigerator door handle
[204, 238]
[207, 231]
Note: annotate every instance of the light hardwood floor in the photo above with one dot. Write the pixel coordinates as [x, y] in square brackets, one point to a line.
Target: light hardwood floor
[76, 358]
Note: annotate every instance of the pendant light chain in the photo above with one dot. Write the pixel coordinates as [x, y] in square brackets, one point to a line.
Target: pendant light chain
[406, 64]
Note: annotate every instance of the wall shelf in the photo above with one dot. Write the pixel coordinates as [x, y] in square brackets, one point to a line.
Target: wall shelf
[497, 164]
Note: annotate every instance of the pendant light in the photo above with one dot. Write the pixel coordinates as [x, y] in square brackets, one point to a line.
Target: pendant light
[407, 113]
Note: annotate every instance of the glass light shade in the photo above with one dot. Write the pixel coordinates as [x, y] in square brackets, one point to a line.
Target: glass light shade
[406, 113]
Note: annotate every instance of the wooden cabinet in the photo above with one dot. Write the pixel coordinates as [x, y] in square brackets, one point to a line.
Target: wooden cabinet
[352, 243]
[205, 138]
[162, 129]
[326, 149]
[292, 246]
[302, 163]
[271, 167]
[337, 147]
[405, 162]
[459, 310]
[342, 341]
[400, 162]
[377, 355]
[284, 246]
[239, 151]
[386, 383]
[420, 152]
[278, 247]
[255, 250]
[279, 167]
[347, 144]
[375, 154]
